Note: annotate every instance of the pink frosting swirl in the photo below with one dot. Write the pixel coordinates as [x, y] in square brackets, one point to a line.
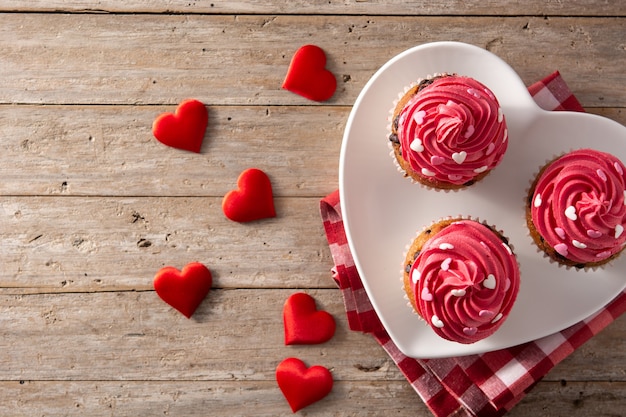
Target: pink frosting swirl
[452, 130]
[578, 205]
[465, 280]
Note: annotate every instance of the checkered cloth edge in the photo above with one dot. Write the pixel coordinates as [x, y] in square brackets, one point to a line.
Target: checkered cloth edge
[488, 384]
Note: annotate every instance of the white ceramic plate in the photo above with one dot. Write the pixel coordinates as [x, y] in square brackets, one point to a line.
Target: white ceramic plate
[383, 210]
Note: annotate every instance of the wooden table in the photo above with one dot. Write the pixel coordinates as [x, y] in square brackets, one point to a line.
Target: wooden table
[92, 206]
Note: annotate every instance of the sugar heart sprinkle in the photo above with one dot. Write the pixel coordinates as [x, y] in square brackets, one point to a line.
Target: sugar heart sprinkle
[490, 282]
[570, 213]
[415, 276]
[426, 295]
[459, 157]
[416, 145]
[470, 331]
[419, 117]
[445, 265]
[436, 322]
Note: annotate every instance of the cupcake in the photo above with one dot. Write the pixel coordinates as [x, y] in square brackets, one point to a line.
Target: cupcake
[576, 211]
[447, 132]
[462, 278]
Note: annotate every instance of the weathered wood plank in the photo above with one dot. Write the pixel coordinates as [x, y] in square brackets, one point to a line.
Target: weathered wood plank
[224, 398]
[241, 60]
[234, 335]
[202, 398]
[573, 399]
[107, 244]
[110, 150]
[348, 7]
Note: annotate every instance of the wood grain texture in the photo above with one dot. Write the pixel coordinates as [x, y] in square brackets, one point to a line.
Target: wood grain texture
[108, 244]
[347, 7]
[91, 206]
[110, 150]
[242, 59]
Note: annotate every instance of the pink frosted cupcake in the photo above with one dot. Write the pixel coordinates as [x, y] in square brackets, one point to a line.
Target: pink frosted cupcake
[447, 132]
[576, 211]
[462, 278]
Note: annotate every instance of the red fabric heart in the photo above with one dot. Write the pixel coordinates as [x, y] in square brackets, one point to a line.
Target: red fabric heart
[184, 290]
[307, 75]
[300, 385]
[253, 198]
[304, 323]
[184, 129]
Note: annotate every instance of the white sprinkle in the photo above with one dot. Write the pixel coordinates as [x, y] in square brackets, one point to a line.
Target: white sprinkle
[538, 200]
[481, 169]
[508, 249]
[619, 229]
[459, 157]
[578, 244]
[428, 172]
[601, 174]
[500, 115]
[506, 135]
[570, 213]
[490, 282]
[446, 246]
[436, 322]
[416, 145]
[458, 293]
[415, 276]
[618, 168]
[496, 318]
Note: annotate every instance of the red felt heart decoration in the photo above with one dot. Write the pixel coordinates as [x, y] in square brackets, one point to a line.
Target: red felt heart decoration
[252, 200]
[184, 290]
[300, 385]
[304, 323]
[307, 75]
[183, 129]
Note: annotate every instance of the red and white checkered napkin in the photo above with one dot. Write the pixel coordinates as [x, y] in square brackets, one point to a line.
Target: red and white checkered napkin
[489, 384]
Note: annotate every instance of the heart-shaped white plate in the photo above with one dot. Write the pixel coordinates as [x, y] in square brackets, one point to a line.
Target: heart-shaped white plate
[383, 211]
